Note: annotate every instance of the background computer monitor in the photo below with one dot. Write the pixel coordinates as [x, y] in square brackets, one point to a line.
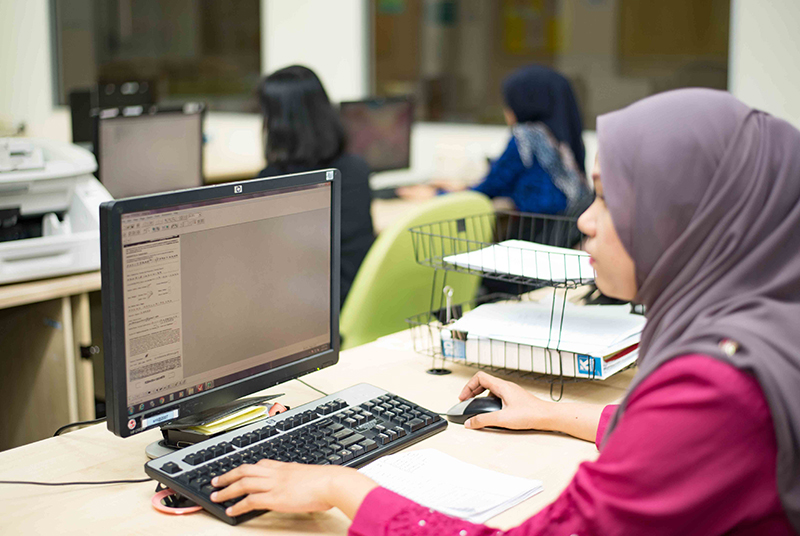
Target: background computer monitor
[145, 150]
[215, 293]
[379, 130]
[107, 94]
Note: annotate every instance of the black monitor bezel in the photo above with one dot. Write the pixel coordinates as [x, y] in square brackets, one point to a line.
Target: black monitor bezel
[112, 295]
[138, 111]
[378, 101]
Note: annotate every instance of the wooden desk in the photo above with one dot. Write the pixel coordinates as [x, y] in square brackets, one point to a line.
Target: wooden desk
[45, 382]
[95, 454]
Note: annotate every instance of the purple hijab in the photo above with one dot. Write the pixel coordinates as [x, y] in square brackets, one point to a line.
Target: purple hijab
[704, 193]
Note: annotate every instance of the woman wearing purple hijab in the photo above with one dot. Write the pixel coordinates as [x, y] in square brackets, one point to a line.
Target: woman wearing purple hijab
[697, 216]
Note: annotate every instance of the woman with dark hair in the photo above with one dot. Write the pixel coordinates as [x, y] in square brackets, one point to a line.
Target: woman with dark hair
[696, 217]
[303, 132]
[542, 168]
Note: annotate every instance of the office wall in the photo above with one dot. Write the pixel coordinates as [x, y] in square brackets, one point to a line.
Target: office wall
[25, 73]
[764, 69]
[330, 37]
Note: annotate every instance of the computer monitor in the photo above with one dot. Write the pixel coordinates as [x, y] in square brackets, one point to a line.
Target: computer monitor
[214, 293]
[379, 130]
[145, 150]
[84, 101]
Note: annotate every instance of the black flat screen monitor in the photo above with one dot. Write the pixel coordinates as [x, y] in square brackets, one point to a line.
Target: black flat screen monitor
[379, 130]
[145, 150]
[215, 293]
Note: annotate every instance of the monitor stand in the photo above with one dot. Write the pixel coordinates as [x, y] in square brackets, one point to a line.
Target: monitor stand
[178, 433]
[159, 448]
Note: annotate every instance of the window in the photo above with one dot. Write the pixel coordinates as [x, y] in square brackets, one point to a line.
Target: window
[453, 54]
[206, 50]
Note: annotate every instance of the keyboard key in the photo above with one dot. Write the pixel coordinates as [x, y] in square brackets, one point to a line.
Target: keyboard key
[334, 459]
[192, 459]
[382, 439]
[368, 444]
[349, 422]
[399, 431]
[355, 438]
[335, 427]
[413, 425]
[360, 419]
[170, 468]
[345, 455]
[341, 434]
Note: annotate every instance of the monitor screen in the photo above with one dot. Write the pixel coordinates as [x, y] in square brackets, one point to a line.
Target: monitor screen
[214, 293]
[143, 151]
[379, 130]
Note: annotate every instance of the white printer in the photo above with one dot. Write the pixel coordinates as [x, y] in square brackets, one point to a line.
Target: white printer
[49, 209]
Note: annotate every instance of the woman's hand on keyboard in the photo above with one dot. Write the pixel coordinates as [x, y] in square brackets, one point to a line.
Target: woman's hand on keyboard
[292, 487]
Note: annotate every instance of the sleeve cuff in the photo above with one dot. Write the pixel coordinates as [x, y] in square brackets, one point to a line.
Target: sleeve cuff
[379, 506]
[605, 416]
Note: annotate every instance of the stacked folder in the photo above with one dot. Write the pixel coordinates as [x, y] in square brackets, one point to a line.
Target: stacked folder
[588, 342]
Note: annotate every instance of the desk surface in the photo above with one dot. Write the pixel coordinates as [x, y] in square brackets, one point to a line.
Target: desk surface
[48, 289]
[95, 454]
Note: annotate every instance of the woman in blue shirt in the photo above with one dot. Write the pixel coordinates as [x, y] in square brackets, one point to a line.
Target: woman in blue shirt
[542, 168]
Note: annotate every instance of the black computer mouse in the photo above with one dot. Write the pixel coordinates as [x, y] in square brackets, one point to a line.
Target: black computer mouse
[472, 406]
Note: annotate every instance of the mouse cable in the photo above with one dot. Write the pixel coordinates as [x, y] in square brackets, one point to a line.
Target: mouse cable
[74, 424]
[93, 483]
[323, 393]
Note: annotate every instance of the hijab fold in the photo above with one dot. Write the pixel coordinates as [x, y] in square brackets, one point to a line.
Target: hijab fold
[704, 193]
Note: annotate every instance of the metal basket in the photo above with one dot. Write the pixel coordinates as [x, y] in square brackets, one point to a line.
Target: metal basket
[499, 246]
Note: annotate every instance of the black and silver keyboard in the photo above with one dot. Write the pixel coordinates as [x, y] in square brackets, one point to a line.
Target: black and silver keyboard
[351, 428]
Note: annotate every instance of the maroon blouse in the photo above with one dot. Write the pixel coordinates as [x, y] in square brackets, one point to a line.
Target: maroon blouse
[695, 453]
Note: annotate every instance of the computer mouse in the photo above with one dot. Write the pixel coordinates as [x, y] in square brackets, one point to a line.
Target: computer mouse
[472, 406]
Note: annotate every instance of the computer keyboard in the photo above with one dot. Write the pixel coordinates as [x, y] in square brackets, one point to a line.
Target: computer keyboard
[351, 427]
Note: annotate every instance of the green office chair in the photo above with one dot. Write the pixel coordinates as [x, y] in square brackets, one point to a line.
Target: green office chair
[390, 286]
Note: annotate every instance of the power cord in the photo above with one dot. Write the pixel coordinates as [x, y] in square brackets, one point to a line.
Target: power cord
[82, 483]
[93, 483]
[323, 393]
[74, 424]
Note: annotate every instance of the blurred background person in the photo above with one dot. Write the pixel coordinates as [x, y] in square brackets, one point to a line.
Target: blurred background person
[303, 132]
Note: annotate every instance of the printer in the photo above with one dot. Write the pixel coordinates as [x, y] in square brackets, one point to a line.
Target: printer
[49, 209]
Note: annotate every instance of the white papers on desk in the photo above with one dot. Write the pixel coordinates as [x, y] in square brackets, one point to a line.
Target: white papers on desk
[449, 485]
[528, 259]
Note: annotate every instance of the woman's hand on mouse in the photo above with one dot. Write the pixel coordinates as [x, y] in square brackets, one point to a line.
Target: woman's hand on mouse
[525, 411]
[521, 410]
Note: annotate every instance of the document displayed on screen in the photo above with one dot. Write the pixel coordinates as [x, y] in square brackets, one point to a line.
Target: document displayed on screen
[214, 291]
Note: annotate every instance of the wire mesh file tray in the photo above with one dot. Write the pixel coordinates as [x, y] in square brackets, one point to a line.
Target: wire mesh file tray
[527, 249]
[524, 252]
[443, 334]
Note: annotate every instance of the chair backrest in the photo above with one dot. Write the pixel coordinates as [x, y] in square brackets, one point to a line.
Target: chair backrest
[391, 286]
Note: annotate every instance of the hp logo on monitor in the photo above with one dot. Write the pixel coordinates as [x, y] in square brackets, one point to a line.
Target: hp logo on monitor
[237, 189]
